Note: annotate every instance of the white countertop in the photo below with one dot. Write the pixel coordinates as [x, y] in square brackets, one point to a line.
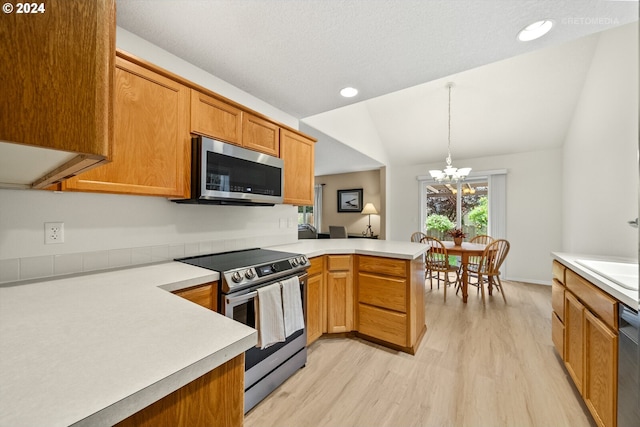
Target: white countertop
[383, 248]
[94, 349]
[626, 296]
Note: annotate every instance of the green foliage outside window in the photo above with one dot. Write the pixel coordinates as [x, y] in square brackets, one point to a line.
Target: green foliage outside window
[439, 223]
[479, 214]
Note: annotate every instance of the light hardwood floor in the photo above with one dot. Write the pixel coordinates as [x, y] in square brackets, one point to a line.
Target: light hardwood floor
[476, 366]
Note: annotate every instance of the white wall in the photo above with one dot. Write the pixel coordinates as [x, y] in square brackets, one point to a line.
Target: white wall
[601, 152]
[533, 200]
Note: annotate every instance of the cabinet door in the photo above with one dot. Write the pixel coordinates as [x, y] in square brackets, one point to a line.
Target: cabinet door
[574, 339]
[57, 79]
[151, 145]
[315, 307]
[297, 153]
[601, 370]
[339, 301]
[260, 135]
[204, 295]
[216, 119]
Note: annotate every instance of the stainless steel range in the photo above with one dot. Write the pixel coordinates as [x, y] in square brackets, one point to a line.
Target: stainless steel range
[242, 274]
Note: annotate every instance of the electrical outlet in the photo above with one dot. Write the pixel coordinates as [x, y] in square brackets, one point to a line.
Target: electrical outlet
[53, 232]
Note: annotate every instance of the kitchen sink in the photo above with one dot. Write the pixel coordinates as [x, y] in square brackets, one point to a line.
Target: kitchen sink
[623, 273]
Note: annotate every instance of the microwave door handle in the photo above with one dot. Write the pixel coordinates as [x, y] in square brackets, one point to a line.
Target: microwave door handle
[233, 301]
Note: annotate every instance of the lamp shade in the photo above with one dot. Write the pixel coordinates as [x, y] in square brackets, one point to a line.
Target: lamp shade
[369, 209]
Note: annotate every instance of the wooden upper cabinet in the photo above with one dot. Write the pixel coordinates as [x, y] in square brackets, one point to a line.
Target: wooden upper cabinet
[152, 147]
[56, 69]
[260, 135]
[297, 152]
[216, 119]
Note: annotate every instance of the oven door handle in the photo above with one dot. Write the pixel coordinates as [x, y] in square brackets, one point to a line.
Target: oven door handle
[242, 298]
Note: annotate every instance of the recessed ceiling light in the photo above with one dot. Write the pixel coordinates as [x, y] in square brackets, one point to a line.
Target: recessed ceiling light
[535, 30]
[349, 92]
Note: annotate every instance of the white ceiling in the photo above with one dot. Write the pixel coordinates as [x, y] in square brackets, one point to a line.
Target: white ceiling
[296, 55]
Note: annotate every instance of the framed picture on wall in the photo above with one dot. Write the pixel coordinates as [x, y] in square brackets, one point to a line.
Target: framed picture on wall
[350, 200]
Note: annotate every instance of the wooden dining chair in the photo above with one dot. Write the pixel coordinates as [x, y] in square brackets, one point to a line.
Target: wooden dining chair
[482, 239]
[417, 237]
[437, 261]
[488, 270]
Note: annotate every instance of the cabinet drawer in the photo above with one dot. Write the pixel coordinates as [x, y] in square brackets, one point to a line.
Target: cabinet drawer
[558, 271]
[382, 292]
[601, 304]
[557, 334]
[317, 265]
[338, 262]
[389, 266]
[557, 298]
[386, 325]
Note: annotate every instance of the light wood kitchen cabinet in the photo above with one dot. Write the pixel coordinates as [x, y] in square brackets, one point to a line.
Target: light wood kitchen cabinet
[589, 320]
[205, 295]
[601, 370]
[297, 152]
[557, 305]
[215, 118]
[214, 399]
[316, 312]
[390, 300]
[152, 147]
[339, 284]
[574, 339]
[57, 88]
[260, 135]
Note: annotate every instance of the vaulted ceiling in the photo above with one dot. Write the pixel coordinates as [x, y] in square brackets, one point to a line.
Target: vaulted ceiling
[509, 96]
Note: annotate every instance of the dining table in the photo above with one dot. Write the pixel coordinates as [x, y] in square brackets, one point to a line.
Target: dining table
[464, 251]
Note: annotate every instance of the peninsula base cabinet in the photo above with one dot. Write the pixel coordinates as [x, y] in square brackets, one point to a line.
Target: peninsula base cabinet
[390, 300]
[380, 299]
[339, 283]
[214, 399]
[584, 331]
[316, 311]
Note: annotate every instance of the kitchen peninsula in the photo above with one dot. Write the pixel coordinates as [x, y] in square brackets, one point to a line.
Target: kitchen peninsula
[94, 349]
[371, 288]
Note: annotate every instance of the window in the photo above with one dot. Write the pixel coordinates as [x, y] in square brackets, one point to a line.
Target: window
[305, 215]
[477, 205]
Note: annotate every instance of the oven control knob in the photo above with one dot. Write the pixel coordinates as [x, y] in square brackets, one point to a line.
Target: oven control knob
[294, 262]
[249, 274]
[303, 259]
[236, 277]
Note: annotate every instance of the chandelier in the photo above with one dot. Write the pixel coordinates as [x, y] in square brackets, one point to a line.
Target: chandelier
[449, 174]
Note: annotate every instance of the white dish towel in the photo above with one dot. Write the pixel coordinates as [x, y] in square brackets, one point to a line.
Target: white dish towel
[292, 306]
[269, 317]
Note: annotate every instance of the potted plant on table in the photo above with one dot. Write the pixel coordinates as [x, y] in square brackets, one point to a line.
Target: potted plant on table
[457, 235]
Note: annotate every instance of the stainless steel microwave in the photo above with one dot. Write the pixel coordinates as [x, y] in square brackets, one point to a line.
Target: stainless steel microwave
[223, 173]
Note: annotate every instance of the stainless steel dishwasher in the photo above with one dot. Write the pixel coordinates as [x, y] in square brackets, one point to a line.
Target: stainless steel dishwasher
[628, 368]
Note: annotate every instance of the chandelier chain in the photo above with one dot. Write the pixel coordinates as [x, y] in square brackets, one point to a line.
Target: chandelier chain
[449, 140]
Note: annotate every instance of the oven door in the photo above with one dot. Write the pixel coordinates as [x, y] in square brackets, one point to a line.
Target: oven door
[260, 362]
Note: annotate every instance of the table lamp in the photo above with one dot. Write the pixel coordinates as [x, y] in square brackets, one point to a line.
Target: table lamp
[369, 209]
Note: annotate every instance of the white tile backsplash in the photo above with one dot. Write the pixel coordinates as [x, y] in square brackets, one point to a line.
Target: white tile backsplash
[141, 255]
[9, 270]
[92, 261]
[120, 257]
[67, 264]
[36, 267]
